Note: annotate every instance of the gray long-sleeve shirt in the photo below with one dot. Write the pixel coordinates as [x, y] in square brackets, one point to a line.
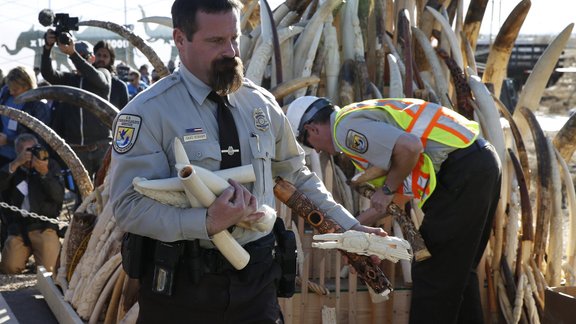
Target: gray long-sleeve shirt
[177, 106]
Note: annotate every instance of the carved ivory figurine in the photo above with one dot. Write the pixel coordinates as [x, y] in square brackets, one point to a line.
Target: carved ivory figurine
[389, 247]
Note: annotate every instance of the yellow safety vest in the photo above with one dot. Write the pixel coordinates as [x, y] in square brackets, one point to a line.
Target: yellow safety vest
[426, 120]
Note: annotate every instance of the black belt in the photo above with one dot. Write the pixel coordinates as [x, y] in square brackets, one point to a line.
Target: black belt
[478, 144]
[259, 250]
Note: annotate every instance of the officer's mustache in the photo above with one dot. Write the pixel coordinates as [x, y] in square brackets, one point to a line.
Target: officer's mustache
[227, 75]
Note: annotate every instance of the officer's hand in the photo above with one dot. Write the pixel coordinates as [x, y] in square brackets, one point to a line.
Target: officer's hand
[49, 39]
[372, 230]
[67, 49]
[3, 139]
[380, 201]
[235, 204]
[40, 166]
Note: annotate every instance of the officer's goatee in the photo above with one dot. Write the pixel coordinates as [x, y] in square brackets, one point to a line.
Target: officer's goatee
[227, 75]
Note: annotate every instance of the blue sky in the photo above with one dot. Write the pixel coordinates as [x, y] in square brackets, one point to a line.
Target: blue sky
[21, 15]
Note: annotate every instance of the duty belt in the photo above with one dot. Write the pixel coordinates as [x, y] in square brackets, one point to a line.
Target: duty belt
[259, 250]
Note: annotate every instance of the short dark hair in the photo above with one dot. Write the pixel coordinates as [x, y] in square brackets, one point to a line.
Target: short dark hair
[184, 12]
[107, 45]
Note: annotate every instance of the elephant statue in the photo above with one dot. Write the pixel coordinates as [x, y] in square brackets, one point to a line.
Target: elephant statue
[34, 40]
[162, 32]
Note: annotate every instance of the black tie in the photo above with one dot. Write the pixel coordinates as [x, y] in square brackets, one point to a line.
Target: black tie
[227, 133]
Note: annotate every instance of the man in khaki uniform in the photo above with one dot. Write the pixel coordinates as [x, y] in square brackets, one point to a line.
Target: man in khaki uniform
[207, 34]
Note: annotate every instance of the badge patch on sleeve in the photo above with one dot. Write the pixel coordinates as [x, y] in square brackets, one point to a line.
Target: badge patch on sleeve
[126, 132]
[260, 120]
[356, 142]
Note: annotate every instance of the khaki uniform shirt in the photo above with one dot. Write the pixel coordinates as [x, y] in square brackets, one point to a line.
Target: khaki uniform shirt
[177, 106]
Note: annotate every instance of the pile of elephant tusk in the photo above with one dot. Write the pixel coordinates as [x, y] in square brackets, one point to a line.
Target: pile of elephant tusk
[397, 49]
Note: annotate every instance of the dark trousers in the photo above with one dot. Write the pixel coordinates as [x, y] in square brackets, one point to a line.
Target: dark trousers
[92, 158]
[456, 228]
[222, 295]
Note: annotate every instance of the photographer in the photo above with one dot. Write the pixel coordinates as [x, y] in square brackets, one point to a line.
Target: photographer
[82, 130]
[31, 182]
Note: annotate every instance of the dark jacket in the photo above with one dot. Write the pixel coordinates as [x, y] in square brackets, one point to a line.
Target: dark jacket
[45, 194]
[118, 93]
[74, 124]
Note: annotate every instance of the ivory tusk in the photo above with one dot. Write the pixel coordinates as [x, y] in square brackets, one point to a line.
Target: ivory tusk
[241, 174]
[396, 89]
[225, 243]
[451, 37]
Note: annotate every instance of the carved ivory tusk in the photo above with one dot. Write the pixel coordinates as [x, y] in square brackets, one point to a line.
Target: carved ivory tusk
[225, 243]
[242, 174]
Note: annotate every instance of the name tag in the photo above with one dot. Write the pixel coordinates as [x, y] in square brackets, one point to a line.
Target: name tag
[194, 137]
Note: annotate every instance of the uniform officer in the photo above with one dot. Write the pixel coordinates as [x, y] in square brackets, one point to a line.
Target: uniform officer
[433, 154]
[206, 33]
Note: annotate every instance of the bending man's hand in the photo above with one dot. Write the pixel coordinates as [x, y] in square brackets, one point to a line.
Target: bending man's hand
[380, 201]
[235, 204]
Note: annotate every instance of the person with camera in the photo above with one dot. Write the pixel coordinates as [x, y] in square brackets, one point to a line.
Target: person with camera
[82, 130]
[30, 182]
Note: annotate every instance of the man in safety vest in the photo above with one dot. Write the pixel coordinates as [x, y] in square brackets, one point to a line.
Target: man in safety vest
[435, 155]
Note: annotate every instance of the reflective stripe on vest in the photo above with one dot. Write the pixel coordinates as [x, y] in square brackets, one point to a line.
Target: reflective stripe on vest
[427, 121]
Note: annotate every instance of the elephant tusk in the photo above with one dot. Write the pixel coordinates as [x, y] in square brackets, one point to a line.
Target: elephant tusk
[395, 89]
[57, 144]
[537, 80]
[226, 244]
[473, 20]
[135, 40]
[543, 188]
[103, 109]
[451, 37]
[497, 62]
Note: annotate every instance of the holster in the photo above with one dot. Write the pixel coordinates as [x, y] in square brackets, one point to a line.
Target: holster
[285, 256]
[166, 260]
[132, 258]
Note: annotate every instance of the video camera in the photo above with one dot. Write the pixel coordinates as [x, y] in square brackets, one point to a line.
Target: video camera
[39, 152]
[62, 22]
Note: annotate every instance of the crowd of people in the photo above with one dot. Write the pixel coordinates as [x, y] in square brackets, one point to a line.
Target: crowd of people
[38, 184]
[225, 120]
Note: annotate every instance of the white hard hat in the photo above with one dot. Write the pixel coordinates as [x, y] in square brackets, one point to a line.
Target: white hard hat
[302, 110]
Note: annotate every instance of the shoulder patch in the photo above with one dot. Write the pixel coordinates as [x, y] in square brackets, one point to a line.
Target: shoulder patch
[357, 142]
[126, 132]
